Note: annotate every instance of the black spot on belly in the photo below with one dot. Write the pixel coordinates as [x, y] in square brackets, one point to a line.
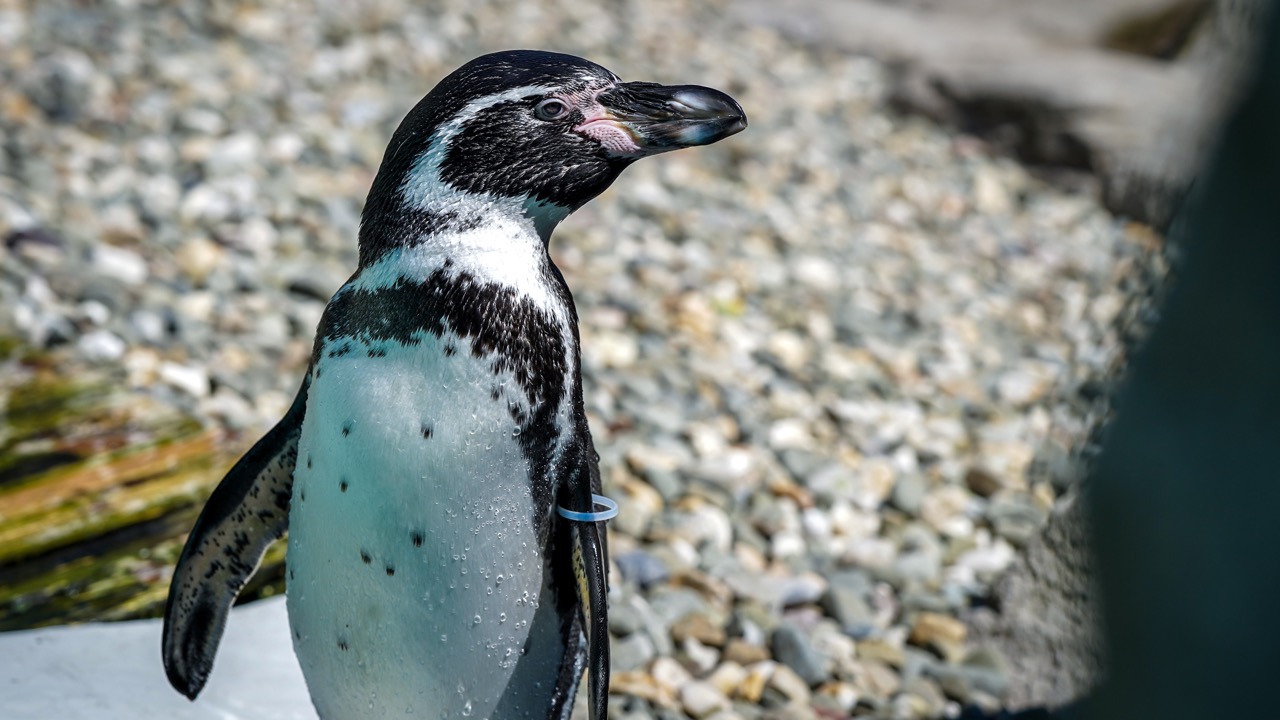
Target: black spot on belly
[342, 645]
[364, 556]
[341, 350]
[426, 431]
[416, 537]
[308, 461]
[378, 352]
[342, 485]
[503, 329]
[297, 635]
[450, 350]
[495, 394]
[303, 495]
[391, 571]
[346, 428]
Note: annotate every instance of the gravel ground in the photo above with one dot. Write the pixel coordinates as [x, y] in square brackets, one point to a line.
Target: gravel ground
[838, 366]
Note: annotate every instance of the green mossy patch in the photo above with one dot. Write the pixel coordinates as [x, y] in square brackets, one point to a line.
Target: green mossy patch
[99, 485]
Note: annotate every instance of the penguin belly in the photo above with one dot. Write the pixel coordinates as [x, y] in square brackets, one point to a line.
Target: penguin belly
[417, 583]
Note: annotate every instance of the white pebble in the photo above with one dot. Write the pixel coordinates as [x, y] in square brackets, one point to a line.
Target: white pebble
[124, 265]
[191, 379]
[101, 345]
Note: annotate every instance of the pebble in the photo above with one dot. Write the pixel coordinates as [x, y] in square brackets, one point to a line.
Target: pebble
[727, 677]
[846, 602]
[909, 493]
[968, 684]
[124, 265]
[197, 258]
[669, 674]
[631, 652]
[758, 676]
[793, 688]
[881, 651]
[945, 509]
[1015, 516]
[793, 649]
[981, 482]
[641, 567]
[839, 698]
[939, 632]
[875, 679]
[700, 627]
[701, 699]
[102, 345]
[191, 379]
[744, 653]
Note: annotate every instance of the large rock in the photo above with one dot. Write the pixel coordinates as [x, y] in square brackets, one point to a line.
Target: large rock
[1048, 620]
[1048, 79]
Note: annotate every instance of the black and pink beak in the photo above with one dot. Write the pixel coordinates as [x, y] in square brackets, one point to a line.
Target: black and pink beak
[636, 119]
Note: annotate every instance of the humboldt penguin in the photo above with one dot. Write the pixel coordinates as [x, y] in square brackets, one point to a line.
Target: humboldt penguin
[435, 472]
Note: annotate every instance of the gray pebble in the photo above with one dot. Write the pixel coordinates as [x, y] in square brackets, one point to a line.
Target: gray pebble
[632, 652]
[1015, 516]
[792, 647]
[908, 493]
[667, 483]
[641, 567]
[846, 602]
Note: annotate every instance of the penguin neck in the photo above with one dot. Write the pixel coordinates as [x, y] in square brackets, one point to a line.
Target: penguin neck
[413, 205]
[444, 219]
[501, 242]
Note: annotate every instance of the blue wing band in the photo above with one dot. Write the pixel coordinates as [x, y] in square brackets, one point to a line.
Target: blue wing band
[610, 510]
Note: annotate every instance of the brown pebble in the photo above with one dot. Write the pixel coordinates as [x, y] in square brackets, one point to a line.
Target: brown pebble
[982, 483]
[744, 653]
[941, 633]
[699, 627]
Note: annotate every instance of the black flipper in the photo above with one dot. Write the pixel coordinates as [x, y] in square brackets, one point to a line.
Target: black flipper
[246, 512]
[590, 569]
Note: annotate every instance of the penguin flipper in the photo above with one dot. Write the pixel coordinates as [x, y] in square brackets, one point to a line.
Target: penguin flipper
[590, 569]
[246, 512]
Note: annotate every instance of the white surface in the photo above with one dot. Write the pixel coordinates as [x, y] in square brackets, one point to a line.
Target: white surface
[112, 671]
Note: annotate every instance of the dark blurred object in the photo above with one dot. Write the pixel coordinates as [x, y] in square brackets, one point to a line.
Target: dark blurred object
[1186, 490]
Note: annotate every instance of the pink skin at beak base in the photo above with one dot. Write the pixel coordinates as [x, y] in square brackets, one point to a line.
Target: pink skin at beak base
[617, 139]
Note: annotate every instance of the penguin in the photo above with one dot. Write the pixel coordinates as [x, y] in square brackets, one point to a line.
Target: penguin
[435, 472]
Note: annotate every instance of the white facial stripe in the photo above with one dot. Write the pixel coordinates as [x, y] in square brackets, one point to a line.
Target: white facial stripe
[446, 132]
[424, 188]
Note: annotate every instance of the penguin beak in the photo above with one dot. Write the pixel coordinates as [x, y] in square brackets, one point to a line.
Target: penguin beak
[636, 119]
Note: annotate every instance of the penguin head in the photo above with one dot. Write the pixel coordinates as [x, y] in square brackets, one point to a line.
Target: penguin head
[542, 131]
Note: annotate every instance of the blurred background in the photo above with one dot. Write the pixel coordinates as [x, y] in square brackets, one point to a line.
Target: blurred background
[845, 371]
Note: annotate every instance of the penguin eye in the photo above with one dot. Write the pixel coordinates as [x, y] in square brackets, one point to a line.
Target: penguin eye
[551, 109]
